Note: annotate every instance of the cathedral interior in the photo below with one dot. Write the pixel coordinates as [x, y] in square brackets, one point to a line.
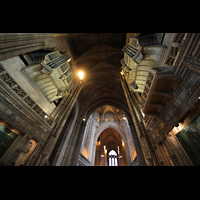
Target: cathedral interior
[99, 99]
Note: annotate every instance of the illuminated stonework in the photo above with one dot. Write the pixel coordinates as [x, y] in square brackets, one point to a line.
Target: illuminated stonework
[63, 97]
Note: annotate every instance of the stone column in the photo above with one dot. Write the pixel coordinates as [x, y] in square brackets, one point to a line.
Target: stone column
[73, 149]
[172, 154]
[106, 159]
[60, 122]
[102, 159]
[139, 126]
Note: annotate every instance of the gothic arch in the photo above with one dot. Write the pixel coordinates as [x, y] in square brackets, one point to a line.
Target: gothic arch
[109, 108]
[115, 126]
[112, 102]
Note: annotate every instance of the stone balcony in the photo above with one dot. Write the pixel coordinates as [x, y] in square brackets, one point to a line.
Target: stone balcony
[158, 90]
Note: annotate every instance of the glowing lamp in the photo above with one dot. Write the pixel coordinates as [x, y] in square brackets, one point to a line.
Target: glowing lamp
[122, 72]
[81, 75]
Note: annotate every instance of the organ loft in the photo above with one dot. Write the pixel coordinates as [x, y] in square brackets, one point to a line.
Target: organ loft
[99, 99]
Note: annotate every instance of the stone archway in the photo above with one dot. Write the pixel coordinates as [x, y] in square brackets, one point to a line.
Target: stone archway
[110, 140]
[116, 127]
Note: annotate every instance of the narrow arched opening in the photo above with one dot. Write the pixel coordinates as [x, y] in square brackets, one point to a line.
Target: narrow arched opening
[112, 158]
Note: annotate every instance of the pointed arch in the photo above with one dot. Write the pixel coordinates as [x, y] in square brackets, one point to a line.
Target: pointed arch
[116, 127]
[108, 108]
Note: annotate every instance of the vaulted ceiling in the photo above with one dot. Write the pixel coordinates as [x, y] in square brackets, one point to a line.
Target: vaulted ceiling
[98, 55]
[111, 139]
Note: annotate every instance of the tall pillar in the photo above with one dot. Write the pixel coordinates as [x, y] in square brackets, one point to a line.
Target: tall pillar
[105, 156]
[60, 122]
[173, 155]
[147, 150]
[73, 149]
[101, 153]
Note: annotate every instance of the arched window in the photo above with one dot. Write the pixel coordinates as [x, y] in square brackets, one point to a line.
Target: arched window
[112, 156]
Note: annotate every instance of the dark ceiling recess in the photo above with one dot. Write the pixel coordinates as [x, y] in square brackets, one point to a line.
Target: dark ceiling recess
[99, 55]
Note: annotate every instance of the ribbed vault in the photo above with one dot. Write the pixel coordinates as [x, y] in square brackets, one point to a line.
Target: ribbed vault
[111, 139]
[98, 55]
